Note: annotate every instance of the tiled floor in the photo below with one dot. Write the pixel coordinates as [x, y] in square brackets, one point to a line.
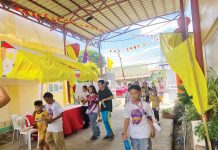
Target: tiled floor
[80, 140]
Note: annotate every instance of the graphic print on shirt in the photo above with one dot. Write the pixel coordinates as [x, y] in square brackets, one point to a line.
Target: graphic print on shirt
[136, 115]
[50, 112]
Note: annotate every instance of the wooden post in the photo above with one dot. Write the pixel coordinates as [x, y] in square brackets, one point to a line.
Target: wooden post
[197, 33]
[200, 59]
[121, 64]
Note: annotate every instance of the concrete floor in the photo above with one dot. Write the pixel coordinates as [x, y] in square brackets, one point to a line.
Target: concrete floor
[80, 140]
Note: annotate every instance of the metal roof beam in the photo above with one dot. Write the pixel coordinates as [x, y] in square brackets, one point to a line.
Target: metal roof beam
[152, 1]
[34, 2]
[144, 9]
[55, 1]
[147, 25]
[47, 24]
[108, 7]
[89, 15]
[124, 11]
[102, 13]
[134, 10]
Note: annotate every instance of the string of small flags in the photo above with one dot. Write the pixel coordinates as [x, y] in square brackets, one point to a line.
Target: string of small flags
[137, 46]
[55, 19]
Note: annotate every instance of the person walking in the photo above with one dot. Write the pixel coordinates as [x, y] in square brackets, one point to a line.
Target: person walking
[92, 111]
[138, 123]
[105, 96]
[146, 92]
[85, 107]
[127, 94]
[155, 103]
[54, 134]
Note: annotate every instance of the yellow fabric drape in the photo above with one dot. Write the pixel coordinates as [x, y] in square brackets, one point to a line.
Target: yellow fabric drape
[12, 39]
[44, 68]
[47, 68]
[176, 53]
[71, 52]
[86, 73]
[109, 63]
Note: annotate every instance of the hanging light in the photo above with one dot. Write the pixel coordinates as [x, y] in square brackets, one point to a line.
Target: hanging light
[89, 18]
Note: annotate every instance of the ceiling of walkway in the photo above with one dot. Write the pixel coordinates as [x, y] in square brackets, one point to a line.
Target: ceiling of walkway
[92, 18]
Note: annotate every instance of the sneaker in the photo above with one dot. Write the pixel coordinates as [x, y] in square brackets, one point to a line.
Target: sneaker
[111, 137]
[99, 133]
[106, 137]
[85, 127]
[94, 138]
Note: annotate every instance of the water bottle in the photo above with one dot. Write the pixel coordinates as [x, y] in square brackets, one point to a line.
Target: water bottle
[103, 104]
[127, 144]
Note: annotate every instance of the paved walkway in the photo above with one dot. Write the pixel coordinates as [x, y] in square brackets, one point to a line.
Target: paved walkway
[80, 140]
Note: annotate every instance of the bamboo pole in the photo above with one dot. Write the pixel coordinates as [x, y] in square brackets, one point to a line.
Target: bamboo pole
[199, 96]
[121, 64]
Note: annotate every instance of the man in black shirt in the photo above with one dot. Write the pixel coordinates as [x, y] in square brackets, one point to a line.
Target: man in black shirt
[105, 97]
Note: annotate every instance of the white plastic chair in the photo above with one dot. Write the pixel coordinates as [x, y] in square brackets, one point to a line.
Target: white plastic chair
[27, 130]
[16, 126]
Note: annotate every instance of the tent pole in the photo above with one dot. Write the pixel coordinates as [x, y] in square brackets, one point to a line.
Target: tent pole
[65, 53]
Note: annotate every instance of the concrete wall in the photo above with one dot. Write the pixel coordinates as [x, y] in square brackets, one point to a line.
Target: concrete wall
[24, 93]
[208, 15]
[209, 28]
[22, 96]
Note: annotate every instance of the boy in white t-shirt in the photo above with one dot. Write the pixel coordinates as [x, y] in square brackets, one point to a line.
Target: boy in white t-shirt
[138, 124]
[54, 134]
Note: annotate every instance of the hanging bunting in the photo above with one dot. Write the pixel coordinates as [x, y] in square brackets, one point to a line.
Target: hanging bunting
[134, 47]
[55, 19]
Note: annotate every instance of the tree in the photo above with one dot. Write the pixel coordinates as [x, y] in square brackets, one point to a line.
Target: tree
[93, 56]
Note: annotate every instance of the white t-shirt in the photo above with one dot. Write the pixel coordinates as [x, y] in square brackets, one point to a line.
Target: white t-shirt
[55, 110]
[138, 125]
[85, 94]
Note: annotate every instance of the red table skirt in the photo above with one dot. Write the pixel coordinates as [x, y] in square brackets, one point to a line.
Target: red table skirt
[72, 120]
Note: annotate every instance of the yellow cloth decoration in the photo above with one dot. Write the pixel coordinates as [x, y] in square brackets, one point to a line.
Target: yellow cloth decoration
[178, 57]
[44, 68]
[109, 63]
[70, 52]
[12, 39]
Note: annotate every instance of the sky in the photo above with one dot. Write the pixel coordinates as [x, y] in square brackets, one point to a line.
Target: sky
[149, 54]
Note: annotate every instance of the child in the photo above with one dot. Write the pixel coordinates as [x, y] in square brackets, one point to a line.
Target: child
[93, 111]
[54, 134]
[138, 121]
[127, 95]
[40, 116]
[155, 102]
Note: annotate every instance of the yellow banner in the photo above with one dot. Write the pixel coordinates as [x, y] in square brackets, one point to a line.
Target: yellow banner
[41, 66]
[109, 63]
[184, 64]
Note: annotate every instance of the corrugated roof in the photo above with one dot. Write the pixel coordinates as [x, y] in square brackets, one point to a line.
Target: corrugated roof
[108, 15]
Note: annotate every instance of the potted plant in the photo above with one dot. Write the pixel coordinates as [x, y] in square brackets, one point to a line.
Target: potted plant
[212, 114]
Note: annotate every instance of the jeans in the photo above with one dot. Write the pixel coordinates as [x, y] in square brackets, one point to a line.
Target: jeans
[107, 123]
[85, 116]
[156, 114]
[141, 144]
[93, 119]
